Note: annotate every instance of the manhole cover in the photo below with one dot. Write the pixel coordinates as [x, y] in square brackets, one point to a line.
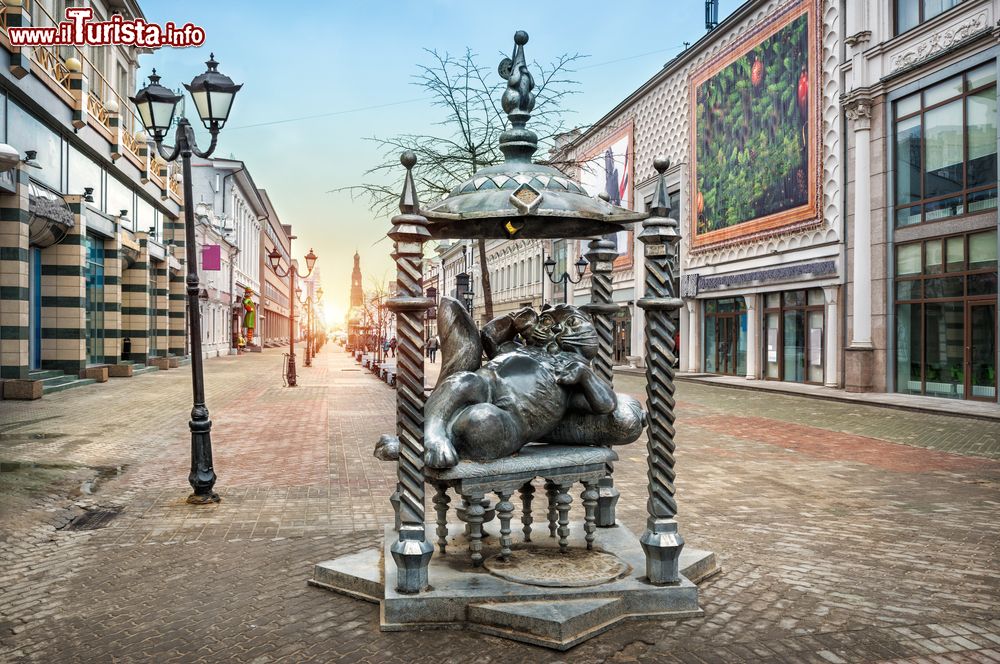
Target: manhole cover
[93, 519]
[548, 567]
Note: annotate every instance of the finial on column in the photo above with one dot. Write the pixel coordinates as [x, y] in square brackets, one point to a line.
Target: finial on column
[408, 201]
[661, 199]
[518, 100]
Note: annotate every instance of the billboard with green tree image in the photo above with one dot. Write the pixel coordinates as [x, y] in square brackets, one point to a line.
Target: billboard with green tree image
[754, 135]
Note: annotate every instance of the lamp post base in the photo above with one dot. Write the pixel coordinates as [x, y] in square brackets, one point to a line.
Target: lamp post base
[290, 377]
[203, 499]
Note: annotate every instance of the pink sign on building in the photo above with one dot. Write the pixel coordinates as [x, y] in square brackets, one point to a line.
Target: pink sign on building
[211, 257]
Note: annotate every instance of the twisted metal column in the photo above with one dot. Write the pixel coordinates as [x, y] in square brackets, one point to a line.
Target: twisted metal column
[662, 542]
[411, 551]
[601, 255]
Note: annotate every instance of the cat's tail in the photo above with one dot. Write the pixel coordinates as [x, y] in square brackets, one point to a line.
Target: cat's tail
[461, 347]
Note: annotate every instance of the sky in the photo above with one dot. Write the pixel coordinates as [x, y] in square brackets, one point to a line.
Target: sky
[322, 77]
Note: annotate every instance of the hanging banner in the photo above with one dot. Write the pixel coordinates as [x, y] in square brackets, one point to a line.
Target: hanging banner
[211, 257]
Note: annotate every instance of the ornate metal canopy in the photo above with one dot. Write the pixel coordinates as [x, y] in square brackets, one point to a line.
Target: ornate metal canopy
[520, 198]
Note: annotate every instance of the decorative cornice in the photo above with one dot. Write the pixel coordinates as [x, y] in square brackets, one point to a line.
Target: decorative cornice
[943, 39]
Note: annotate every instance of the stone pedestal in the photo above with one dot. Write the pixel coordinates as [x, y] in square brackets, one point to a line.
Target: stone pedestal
[161, 363]
[556, 606]
[25, 390]
[858, 367]
[97, 374]
[120, 371]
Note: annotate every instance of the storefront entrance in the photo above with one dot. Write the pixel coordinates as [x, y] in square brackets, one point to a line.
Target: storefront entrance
[946, 317]
[794, 330]
[726, 336]
[623, 336]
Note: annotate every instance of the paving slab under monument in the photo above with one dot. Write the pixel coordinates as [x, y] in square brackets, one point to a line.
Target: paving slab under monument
[538, 607]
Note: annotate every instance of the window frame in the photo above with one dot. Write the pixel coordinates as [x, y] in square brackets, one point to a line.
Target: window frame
[921, 17]
[780, 310]
[965, 192]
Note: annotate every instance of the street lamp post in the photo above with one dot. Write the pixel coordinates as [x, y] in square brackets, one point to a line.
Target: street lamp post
[213, 95]
[292, 272]
[307, 305]
[565, 279]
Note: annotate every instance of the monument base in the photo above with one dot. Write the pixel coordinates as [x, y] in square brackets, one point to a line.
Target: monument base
[556, 606]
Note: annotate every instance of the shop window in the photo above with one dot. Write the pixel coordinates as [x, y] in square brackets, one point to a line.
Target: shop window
[911, 13]
[794, 324]
[83, 174]
[946, 149]
[946, 316]
[94, 299]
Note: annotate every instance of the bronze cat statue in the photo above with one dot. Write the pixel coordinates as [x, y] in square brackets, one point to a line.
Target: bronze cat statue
[537, 386]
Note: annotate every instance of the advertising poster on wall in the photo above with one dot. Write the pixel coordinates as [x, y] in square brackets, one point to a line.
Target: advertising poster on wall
[755, 133]
[609, 169]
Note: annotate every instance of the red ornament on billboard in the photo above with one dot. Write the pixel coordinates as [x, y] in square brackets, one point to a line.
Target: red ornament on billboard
[757, 72]
[803, 90]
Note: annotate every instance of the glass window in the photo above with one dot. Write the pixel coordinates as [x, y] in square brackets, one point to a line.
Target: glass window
[981, 120]
[908, 160]
[943, 163]
[911, 13]
[946, 149]
[771, 346]
[935, 262]
[955, 254]
[24, 133]
[908, 364]
[84, 173]
[120, 197]
[772, 300]
[983, 250]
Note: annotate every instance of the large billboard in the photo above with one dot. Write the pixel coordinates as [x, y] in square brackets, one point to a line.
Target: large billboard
[755, 133]
[608, 169]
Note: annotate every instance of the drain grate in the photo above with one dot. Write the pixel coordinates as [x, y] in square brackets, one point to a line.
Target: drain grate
[94, 519]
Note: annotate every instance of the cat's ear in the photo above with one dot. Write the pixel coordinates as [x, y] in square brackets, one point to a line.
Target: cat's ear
[546, 306]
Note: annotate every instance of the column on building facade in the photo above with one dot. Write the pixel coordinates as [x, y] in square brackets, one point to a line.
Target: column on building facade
[831, 344]
[14, 252]
[860, 352]
[753, 344]
[135, 303]
[63, 291]
[177, 309]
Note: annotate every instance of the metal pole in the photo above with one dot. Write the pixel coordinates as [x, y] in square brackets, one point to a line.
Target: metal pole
[662, 541]
[290, 375]
[601, 255]
[411, 551]
[202, 477]
[308, 306]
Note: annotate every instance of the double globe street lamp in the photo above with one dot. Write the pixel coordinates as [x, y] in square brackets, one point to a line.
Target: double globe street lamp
[310, 303]
[565, 279]
[213, 94]
[274, 258]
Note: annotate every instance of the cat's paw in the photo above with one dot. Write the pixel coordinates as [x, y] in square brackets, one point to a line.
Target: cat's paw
[387, 448]
[440, 455]
[572, 373]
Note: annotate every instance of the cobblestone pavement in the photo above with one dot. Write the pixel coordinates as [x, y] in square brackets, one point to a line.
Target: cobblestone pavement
[847, 533]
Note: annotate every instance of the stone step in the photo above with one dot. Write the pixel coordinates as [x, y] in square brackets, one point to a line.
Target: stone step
[77, 382]
[559, 625]
[59, 379]
[42, 374]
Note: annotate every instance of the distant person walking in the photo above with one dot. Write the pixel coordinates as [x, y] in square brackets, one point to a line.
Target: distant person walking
[432, 348]
[392, 346]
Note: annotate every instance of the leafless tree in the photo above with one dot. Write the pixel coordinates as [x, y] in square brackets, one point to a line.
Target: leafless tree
[468, 92]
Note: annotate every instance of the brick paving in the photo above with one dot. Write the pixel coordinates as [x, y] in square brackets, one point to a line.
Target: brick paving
[847, 533]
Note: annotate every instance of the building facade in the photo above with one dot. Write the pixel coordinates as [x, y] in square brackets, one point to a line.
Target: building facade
[226, 188]
[91, 240]
[274, 289]
[921, 135]
[216, 256]
[750, 118]
[517, 278]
